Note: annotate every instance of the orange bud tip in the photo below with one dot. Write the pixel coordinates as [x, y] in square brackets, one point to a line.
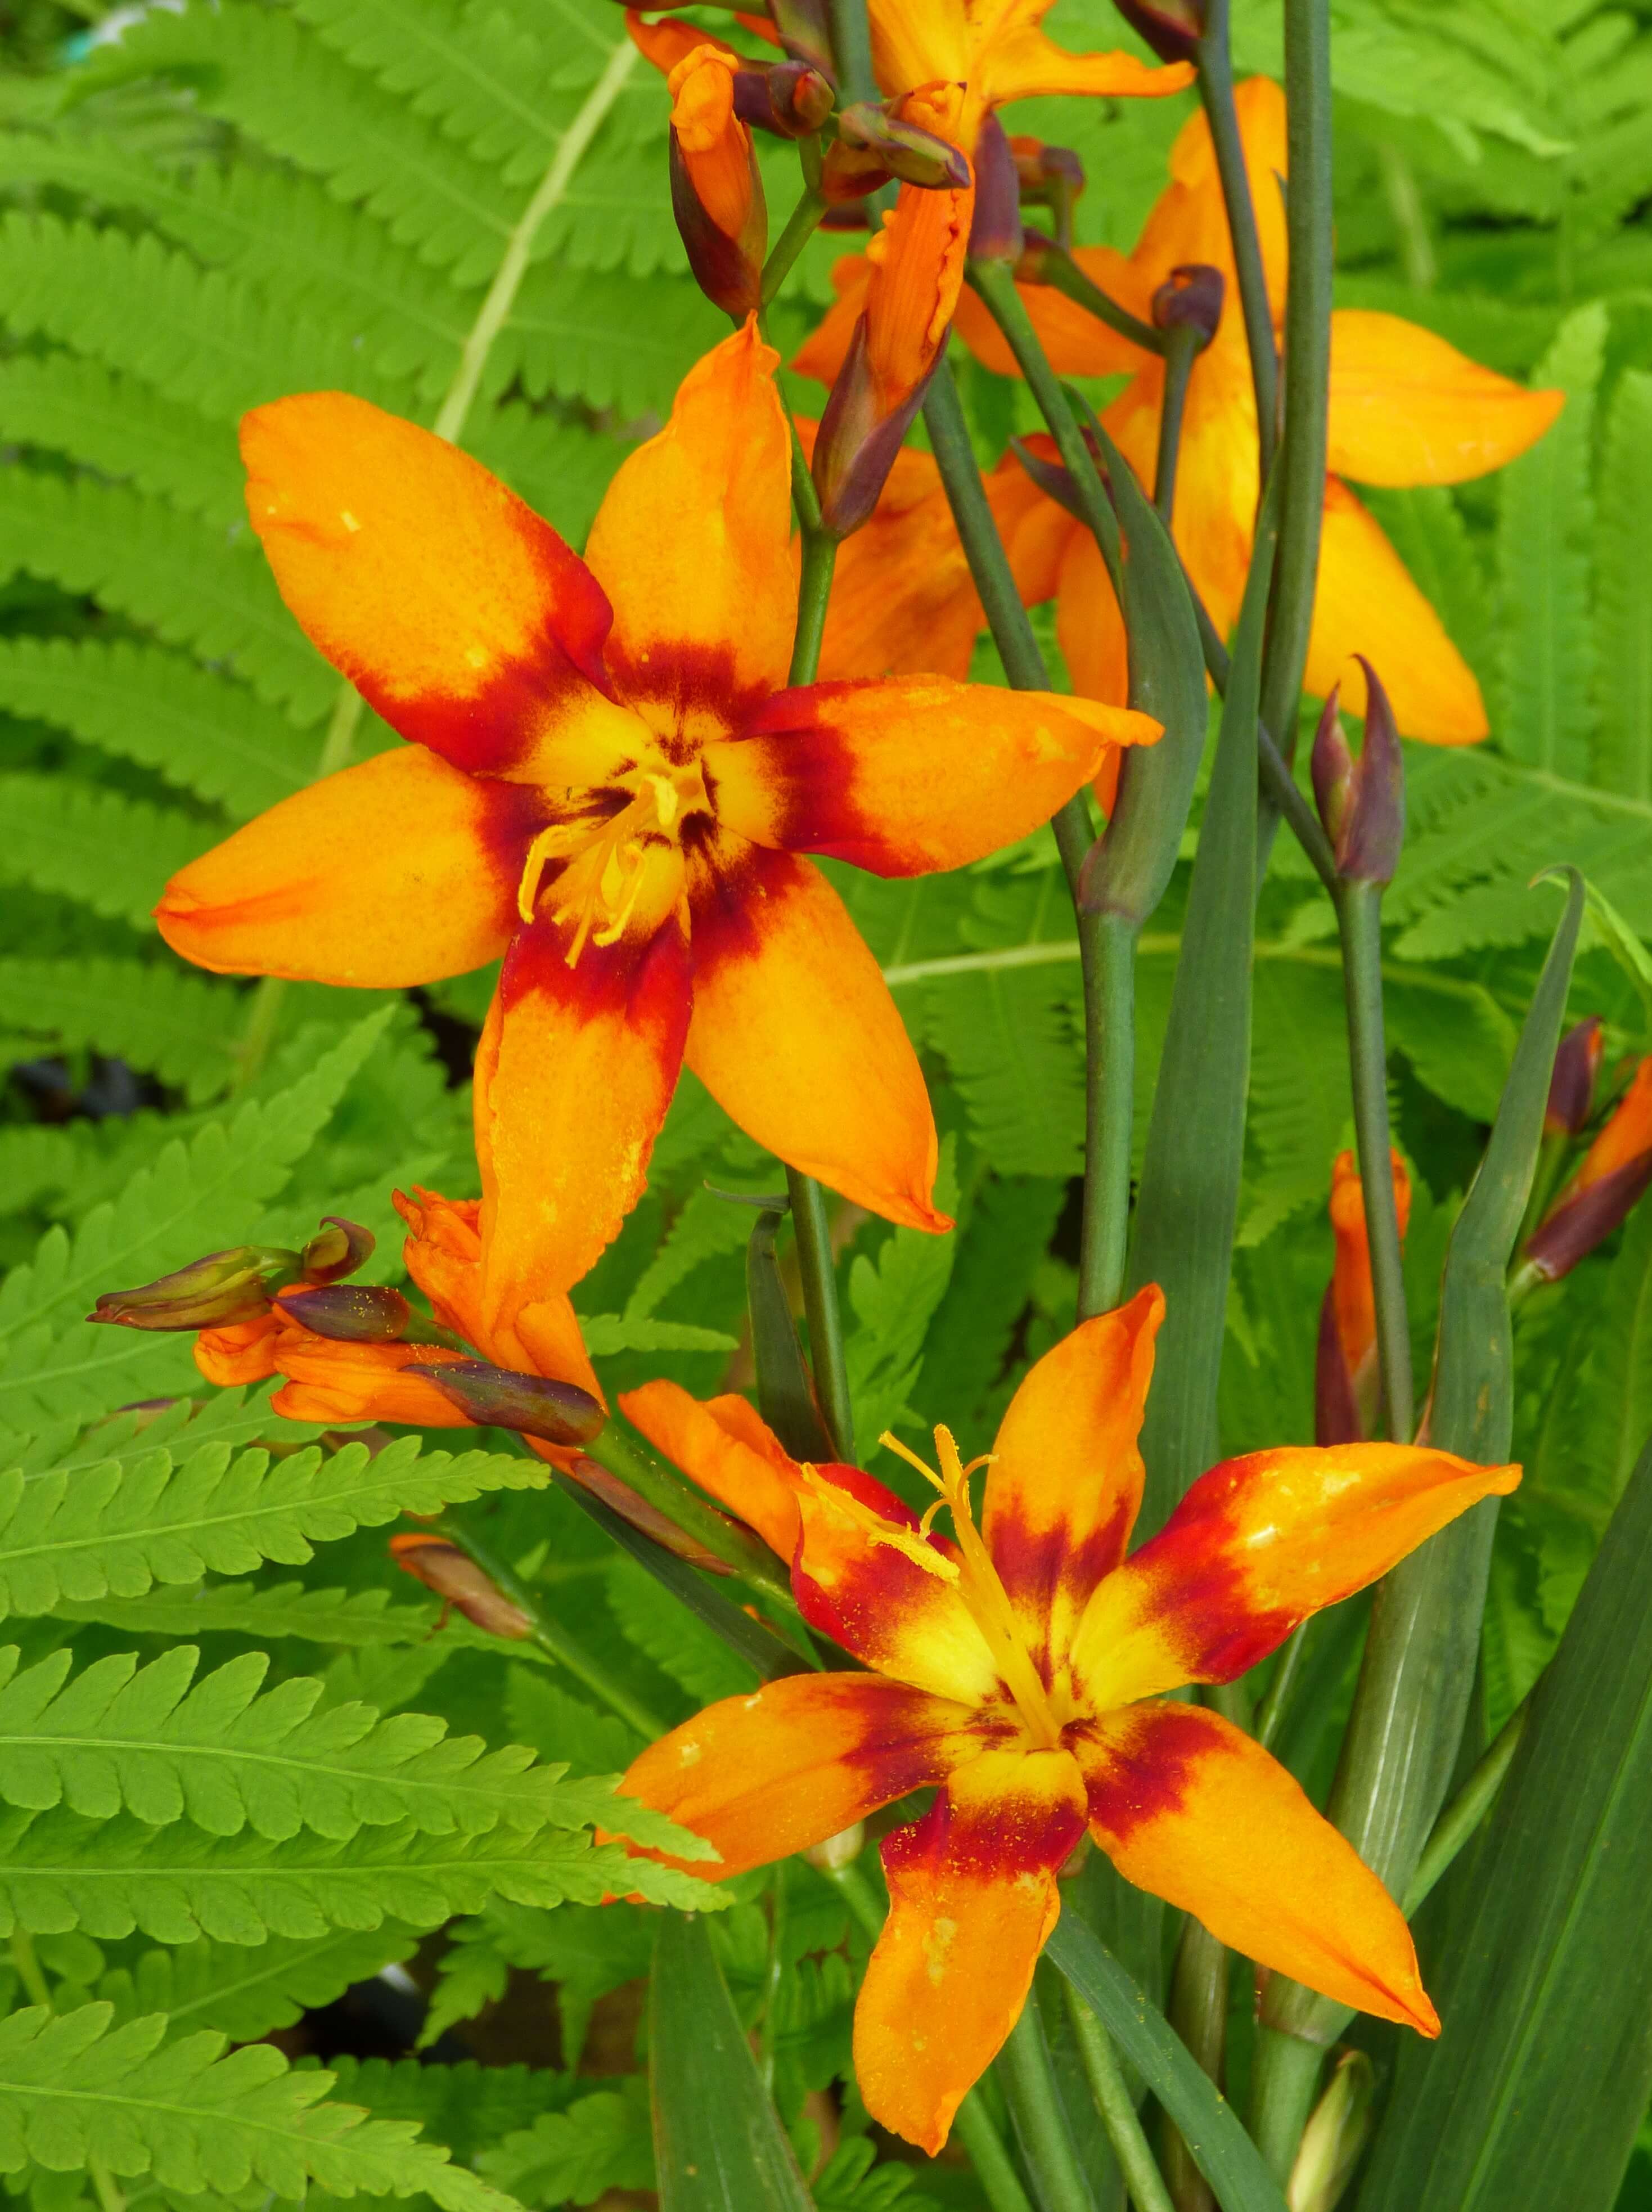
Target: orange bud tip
[455, 1577]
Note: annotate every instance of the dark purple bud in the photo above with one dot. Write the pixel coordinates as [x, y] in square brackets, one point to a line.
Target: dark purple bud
[790, 100]
[1173, 28]
[1572, 1087]
[456, 1579]
[1191, 300]
[337, 1249]
[899, 148]
[1051, 177]
[531, 1405]
[1362, 802]
[1572, 1228]
[855, 447]
[805, 30]
[728, 266]
[215, 1292]
[995, 232]
[351, 1313]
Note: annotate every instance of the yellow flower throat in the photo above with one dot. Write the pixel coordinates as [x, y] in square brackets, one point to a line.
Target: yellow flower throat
[608, 859]
[976, 1577]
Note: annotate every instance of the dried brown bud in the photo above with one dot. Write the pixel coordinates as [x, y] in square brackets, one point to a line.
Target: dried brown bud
[1191, 299]
[1572, 1087]
[995, 232]
[455, 1577]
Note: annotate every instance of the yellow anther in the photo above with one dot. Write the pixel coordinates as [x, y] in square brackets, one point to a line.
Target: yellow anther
[872, 1525]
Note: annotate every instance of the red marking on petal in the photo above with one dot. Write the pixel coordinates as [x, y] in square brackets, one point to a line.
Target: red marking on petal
[693, 683]
[1039, 1563]
[1145, 1779]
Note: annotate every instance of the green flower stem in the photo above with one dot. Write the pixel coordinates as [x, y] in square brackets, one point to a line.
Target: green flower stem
[995, 283]
[694, 1515]
[1181, 349]
[1106, 945]
[1285, 2079]
[1118, 2113]
[1029, 2080]
[1197, 2011]
[973, 2124]
[1306, 372]
[817, 1267]
[1215, 66]
[814, 593]
[1467, 1809]
[801, 225]
[852, 50]
[1059, 272]
[1359, 914]
[552, 1638]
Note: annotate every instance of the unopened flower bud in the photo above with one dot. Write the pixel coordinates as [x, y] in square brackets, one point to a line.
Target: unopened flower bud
[1173, 28]
[215, 1292]
[621, 1498]
[455, 1577]
[1191, 299]
[877, 142]
[1335, 2137]
[995, 232]
[1615, 1172]
[834, 1852]
[337, 1249]
[1572, 1087]
[1346, 1382]
[351, 1313]
[717, 195]
[791, 99]
[1362, 803]
[531, 1405]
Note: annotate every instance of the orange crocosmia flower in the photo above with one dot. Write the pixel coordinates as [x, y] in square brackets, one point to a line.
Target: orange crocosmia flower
[1346, 1381]
[1020, 1666]
[1405, 408]
[1627, 1137]
[609, 784]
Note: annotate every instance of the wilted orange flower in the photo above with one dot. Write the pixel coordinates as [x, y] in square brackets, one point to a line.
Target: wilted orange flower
[1614, 1173]
[609, 784]
[1021, 1668]
[1347, 1384]
[1406, 409]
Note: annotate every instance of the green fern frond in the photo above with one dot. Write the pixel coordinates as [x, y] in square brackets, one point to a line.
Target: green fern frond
[113, 853]
[245, 1991]
[707, 1227]
[609, 339]
[1624, 586]
[561, 468]
[680, 1645]
[176, 1026]
[282, 1609]
[123, 428]
[174, 1885]
[225, 1755]
[115, 1530]
[1299, 1097]
[893, 1298]
[188, 1201]
[193, 585]
[77, 2088]
[601, 2141]
[467, 2106]
[197, 729]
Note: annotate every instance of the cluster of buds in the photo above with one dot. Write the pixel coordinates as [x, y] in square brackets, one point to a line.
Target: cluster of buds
[1362, 802]
[1614, 1172]
[223, 1288]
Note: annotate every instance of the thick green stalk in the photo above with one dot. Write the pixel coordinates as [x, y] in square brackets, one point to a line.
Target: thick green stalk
[1467, 1809]
[816, 1266]
[1118, 2113]
[550, 1634]
[1199, 2013]
[1109, 979]
[1359, 912]
[1181, 352]
[1046, 2139]
[983, 548]
[694, 1515]
[814, 593]
[1285, 2079]
[1215, 66]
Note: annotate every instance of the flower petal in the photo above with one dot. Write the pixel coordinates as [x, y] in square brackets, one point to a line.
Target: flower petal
[795, 1033]
[1257, 1545]
[396, 872]
[915, 41]
[691, 543]
[1065, 1482]
[912, 773]
[1088, 627]
[972, 1901]
[881, 1605]
[766, 1774]
[574, 1074]
[822, 353]
[757, 1482]
[1022, 64]
[459, 615]
[1189, 220]
[1187, 1807]
[330, 1381]
[1368, 603]
[1408, 408]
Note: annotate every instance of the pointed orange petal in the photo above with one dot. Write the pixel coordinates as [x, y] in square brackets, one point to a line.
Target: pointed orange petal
[459, 616]
[1255, 1546]
[1368, 603]
[666, 43]
[822, 354]
[1189, 1808]
[245, 1351]
[1065, 1481]
[1189, 221]
[973, 1898]
[329, 1381]
[1352, 1295]
[1626, 1136]
[1408, 408]
[795, 1034]
[764, 1775]
[915, 41]
[1089, 626]
[691, 541]
[1024, 64]
[882, 1605]
[702, 1440]
[574, 1074]
[912, 773]
[396, 872]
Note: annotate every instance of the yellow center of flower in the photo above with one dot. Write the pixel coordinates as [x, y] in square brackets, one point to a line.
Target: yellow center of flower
[976, 1577]
[610, 861]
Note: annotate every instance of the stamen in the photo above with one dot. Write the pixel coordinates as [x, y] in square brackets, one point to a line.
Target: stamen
[877, 1530]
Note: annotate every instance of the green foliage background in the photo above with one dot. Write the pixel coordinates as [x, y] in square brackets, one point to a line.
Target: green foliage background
[220, 205]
